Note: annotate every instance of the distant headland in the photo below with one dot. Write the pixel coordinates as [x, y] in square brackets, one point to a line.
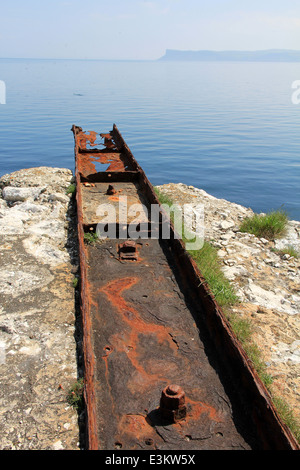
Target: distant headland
[271, 55]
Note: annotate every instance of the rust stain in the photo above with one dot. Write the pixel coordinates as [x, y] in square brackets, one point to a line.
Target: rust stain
[113, 290]
[199, 408]
[141, 427]
[87, 163]
[137, 426]
[114, 198]
[128, 342]
[110, 155]
[83, 139]
[130, 315]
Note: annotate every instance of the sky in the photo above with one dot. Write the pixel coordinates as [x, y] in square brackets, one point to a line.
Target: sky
[142, 29]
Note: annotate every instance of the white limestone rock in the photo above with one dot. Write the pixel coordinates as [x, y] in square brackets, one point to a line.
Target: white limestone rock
[13, 194]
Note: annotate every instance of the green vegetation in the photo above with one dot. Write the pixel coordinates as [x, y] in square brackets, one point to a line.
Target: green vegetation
[287, 416]
[75, 395]
[269, 226]
[75, 282]
[254, 354]
[242, 328]
[209, 264]
[71, 189]
[90, 238]
[163, 198]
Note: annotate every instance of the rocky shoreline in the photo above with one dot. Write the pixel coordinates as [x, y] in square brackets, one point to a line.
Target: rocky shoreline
[40, 338]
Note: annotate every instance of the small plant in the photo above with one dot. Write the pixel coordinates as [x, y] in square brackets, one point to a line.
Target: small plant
[71, 189]
[209, 265]
[75, 395]
[75, 282]
[90, 238]
[270, 226]
[290, 250]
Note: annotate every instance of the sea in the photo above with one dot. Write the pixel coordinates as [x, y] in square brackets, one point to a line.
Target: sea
[230, 128]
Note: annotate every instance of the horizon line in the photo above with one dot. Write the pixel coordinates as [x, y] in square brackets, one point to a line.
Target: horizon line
[151, 60]
[148, 60]
[73, 58]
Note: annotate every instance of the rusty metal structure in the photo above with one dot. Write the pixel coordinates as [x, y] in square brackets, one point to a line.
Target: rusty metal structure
[163, 369]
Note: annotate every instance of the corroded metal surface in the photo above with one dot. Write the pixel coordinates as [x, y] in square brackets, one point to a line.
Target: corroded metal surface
[163, 369]
[145, 337]
[96, 194]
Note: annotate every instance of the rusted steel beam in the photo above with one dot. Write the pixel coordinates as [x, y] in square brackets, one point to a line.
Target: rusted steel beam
[104, 284]
[89, 358]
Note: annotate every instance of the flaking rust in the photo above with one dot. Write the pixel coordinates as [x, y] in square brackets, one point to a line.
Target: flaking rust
[163, 369]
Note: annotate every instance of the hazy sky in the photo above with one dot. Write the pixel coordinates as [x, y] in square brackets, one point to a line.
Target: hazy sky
[142, 29]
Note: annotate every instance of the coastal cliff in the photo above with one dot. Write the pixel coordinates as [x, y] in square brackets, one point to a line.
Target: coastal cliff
[272, 55]
[40, 338]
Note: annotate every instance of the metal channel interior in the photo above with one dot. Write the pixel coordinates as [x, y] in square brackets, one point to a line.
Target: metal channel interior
[152, 322]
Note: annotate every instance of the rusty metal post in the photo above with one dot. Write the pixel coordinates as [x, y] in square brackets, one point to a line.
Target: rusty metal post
[172, 403]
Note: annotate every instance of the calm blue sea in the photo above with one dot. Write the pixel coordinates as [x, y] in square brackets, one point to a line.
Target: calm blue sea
[228, 128]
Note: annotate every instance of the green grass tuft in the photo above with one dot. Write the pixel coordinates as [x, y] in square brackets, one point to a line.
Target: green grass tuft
[270, 226]
[75, 395]
[209, 265]
[242, 327]
[254, 354]
[90, 238]
[71, 189]
[287, 415]
[163, 198]
[289, 250]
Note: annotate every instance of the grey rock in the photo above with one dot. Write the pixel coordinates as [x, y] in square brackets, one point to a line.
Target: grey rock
[12, 194]
[59, 197]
